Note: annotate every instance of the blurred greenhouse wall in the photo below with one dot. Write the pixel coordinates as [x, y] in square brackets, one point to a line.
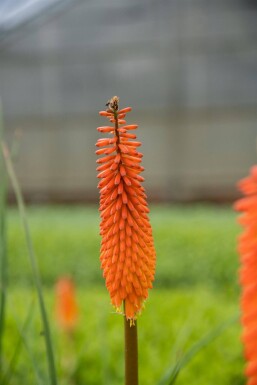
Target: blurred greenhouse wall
[187, 67]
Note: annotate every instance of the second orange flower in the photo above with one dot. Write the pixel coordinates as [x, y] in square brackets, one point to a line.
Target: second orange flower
[248, 272]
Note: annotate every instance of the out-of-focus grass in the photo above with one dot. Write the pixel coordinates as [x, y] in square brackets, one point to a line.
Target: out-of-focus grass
[171, 322]
[195, 290]
[194, 244]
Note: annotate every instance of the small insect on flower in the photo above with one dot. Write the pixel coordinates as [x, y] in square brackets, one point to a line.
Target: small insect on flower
[127, 250]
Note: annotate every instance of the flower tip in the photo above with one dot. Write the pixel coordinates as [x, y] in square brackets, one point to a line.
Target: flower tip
[113, 104]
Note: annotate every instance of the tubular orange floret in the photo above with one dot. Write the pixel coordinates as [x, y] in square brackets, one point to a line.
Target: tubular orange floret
[124, 110]
[248, 271]
[127, 250]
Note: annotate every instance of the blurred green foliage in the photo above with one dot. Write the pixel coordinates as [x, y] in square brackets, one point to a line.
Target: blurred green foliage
[195, 290]
[194, 244]
[172, 321]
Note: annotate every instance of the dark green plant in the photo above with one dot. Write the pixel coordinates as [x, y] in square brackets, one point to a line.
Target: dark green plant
[33, 262]
[3, 251]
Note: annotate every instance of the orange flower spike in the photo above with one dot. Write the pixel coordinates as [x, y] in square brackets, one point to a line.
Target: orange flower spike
[127, 250]
[247, 247]
[66, 307]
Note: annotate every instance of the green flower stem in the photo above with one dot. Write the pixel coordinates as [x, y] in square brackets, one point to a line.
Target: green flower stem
[131, 352]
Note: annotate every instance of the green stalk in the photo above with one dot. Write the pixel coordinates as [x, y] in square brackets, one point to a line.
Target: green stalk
[5, 380]
[131, 352]
[33, 262]
[3, 251]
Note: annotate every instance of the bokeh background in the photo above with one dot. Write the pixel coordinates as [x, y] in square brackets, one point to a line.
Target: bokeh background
[187, 67]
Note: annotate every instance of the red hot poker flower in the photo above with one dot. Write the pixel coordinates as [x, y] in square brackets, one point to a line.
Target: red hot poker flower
[127, 251]
[248, 272]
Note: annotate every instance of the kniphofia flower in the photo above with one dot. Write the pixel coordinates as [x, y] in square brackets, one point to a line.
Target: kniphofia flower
[248, 272]
[127, 251]
[66, 306]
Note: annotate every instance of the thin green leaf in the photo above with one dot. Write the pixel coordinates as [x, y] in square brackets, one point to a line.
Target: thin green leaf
[5, 380]
[3, 251]
[33, 262]
[171, 376]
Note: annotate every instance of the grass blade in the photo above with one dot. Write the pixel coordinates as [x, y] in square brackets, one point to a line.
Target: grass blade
[5, 380]
[3, 251]
[33, 262]
[172, 374]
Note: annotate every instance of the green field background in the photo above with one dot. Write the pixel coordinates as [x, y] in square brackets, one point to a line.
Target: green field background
[195, 290]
